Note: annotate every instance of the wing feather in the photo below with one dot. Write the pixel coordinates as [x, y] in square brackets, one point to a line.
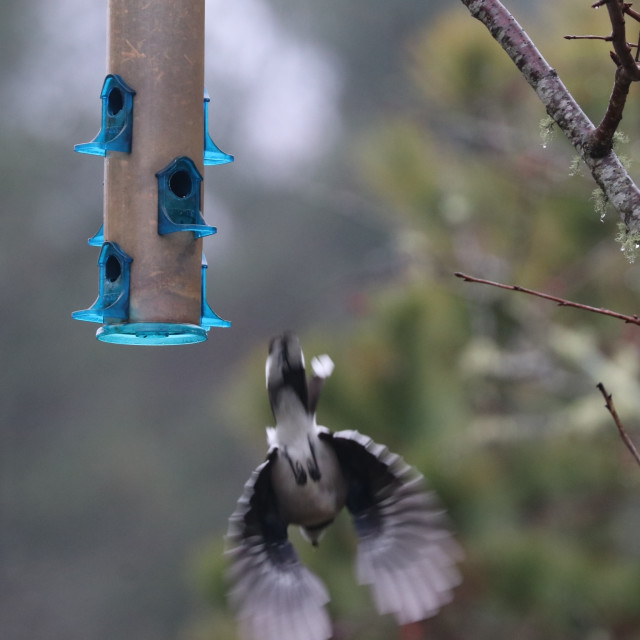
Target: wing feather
[274, 595]
[406, 553]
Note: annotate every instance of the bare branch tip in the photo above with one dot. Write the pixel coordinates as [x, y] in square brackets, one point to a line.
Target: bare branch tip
[621, 430]
[607, 396]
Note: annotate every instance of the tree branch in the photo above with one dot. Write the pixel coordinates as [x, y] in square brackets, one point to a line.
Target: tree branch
[607, 171]
[614, 414]
[616, 10]
[627, 72]
[601, 140]
[634, 319]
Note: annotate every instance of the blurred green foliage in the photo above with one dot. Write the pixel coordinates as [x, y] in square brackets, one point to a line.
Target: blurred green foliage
[490, 393]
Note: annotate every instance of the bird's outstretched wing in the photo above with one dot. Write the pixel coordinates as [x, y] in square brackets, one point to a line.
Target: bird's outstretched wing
[275, 596]
[405, 550]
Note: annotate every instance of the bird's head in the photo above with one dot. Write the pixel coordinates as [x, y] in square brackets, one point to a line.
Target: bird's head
[285, 373]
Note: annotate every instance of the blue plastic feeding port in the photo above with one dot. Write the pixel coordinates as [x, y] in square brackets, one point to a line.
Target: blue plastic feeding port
[209, 318]
[179, 189]
[117, 119]
[212, 154]
[98, 239]
[151, 333]
[113, 298]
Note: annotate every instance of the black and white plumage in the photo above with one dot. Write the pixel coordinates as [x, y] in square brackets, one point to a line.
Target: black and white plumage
[405, 551]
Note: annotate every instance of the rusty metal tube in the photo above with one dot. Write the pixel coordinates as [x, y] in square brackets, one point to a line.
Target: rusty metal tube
[157, 47]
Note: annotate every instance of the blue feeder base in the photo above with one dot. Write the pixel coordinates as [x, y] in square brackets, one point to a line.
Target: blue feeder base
[151, 333]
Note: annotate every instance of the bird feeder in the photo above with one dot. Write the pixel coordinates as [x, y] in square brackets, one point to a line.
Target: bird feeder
[152, 270]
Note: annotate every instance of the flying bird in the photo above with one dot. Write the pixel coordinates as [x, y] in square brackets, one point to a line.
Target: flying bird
[405, 553]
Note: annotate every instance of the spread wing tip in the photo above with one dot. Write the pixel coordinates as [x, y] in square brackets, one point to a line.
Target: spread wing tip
[406, 551]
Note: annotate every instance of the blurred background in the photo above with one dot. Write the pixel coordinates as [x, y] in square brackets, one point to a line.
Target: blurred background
[380, 147]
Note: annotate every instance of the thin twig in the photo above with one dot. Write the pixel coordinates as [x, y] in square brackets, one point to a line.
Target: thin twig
[614, 414]
[592, 37]
[605, 38]
[562, 302]
[626, 7]
[630, 12]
